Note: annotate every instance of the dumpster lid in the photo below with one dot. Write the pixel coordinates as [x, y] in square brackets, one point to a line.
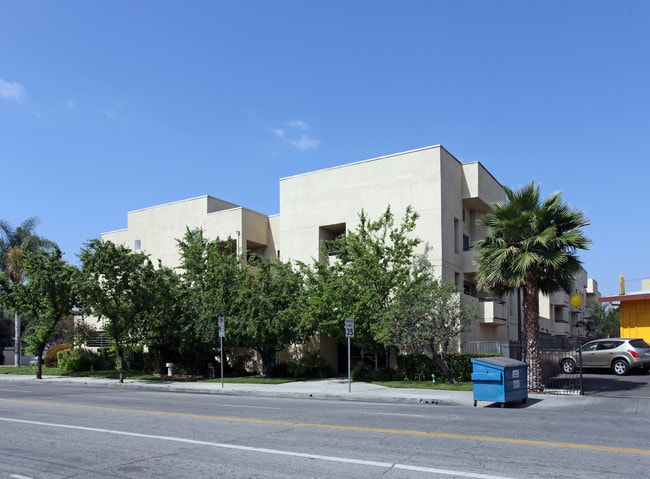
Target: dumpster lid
[500, 361]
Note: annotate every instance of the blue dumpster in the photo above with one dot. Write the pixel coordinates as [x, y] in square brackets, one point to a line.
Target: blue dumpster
[498, 379]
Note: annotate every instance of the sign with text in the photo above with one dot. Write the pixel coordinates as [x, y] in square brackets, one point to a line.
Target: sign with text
[222, 327]
[349, 327]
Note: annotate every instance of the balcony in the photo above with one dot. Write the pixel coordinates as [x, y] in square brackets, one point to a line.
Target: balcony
[561, 328]
[492, 311]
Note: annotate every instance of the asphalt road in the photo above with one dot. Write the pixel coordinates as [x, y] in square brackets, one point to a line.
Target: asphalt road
[604, 383]
[57, 431]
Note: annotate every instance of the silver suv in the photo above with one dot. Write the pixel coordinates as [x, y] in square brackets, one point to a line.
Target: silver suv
[619, 354]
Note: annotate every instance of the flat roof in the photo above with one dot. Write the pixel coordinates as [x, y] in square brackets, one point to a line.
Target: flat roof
[636, 296]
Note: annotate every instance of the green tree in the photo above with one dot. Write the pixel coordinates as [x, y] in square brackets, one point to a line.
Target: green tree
[115, 288]
[427, 315]
[48, 298]
[371, 264]
[14, 243]
[267, 319]
[211, 274]
[531, 244]
[163, 321]
[605, 320]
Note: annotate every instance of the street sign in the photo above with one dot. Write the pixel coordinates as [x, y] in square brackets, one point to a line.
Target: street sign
[222, 327]
[349, 327]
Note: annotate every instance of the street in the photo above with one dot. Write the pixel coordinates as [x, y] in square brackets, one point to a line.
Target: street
[55, 431]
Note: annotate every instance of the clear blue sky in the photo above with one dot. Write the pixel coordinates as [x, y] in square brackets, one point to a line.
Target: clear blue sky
[112, 106]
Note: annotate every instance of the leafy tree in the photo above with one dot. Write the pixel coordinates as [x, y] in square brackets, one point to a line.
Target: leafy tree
[163, 321]
[14, 243]
[531, 244]
[605, 320]
[115, 288]
[48, 298]
[427, 315]
[371, 264]
[266, 318]
[211, 275]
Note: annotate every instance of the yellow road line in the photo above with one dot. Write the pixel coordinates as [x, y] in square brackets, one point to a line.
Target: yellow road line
[272, 422]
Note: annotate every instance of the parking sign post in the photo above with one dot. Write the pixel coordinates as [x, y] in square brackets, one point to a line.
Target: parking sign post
[349, 333]
[222, 333]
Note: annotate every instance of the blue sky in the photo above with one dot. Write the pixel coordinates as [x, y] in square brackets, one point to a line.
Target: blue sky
[112, 106]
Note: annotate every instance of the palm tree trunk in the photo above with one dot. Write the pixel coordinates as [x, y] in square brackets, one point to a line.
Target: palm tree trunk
[531, 336]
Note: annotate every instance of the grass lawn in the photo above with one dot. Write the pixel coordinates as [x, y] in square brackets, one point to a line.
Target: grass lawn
[113, 374]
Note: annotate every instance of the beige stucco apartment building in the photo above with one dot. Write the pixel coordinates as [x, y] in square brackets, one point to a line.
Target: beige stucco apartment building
[448, 195]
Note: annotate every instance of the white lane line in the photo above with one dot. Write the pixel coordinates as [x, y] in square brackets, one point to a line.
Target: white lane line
[263, 450]
[16, 390]
[18, 476]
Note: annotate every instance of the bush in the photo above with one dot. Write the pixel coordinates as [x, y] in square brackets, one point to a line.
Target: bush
[134, 358]
[361, 372]
[419, 367]
[387, 374]
[310, 365]
[79, 360]
[50, 360]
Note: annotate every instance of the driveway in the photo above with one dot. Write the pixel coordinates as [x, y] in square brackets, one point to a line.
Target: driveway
[606, 384]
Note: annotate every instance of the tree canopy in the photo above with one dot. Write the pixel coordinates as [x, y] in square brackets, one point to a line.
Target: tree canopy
[47, 299]
[115, 289]
[532, 244]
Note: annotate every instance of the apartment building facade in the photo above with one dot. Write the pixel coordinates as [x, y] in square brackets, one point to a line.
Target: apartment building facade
[449, 196]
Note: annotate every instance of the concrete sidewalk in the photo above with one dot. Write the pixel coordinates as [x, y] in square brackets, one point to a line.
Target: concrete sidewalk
[338, 389]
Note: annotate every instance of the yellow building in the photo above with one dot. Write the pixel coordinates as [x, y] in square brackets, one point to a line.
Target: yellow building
[634, 309]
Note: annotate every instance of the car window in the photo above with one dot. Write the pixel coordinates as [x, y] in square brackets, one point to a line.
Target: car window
[639, 343]
[590, 347]
[609, 345]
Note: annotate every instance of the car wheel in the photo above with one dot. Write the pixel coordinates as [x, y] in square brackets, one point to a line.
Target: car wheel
[620, 367]
[568, 366]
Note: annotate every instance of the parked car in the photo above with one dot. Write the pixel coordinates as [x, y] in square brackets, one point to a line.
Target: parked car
[619, 354]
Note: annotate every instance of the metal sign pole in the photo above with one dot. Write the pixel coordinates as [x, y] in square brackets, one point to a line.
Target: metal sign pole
[349, 375]
[222, 333]
[349, 333]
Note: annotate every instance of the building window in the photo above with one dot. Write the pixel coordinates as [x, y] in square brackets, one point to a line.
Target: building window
[466, 245]
[137, 246]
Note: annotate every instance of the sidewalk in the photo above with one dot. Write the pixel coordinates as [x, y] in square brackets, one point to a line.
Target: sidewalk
[337, 389]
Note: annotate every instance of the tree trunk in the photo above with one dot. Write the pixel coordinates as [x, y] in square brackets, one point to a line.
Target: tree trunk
[268, 361]
[120, 357]
[440, 360]
[531, 336]
[39, 365]
[444, 367]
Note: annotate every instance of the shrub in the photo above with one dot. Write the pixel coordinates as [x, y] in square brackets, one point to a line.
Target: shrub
[50, 360]
[134, 358]
[361, 372]
[310, 365]
[417, 367]
[387, 374]
[78, 360]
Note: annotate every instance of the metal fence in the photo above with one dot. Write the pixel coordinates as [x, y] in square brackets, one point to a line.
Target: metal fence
[552, 350]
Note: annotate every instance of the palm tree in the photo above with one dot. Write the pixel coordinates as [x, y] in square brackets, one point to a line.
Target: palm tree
[531, 244]
[14, 243]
